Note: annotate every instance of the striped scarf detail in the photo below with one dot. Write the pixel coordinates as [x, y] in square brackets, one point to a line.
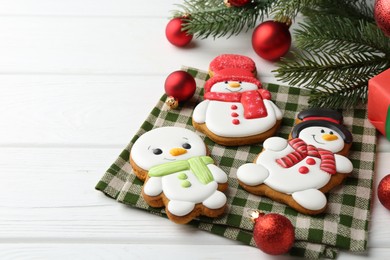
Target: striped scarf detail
[302, 150]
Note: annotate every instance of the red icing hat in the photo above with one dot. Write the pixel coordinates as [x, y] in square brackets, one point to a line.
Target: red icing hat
[232, 61]
[231, 67]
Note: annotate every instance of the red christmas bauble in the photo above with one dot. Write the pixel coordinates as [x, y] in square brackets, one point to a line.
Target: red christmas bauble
[384, 191]
[237, 3]
[382, 15]
[273, 233]
[175, 34]
[180, 85]
[271, 40]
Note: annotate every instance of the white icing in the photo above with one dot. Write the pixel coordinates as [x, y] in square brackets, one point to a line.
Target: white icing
[199, 114]
[252, 174]
[310, 199]
[182, 199]
[197, 193]
[165, 138]
[275, 143]
[180, 208]
[343, 164]
[153, 186]
[219, 175]
[217, 114]
[219, 119]
[215, 201]
[303, 187]
[314, 135]
[224, 87]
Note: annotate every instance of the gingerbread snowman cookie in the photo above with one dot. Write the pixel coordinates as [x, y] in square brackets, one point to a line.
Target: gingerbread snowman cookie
[178, 174]
[300, 170]
[236, 110]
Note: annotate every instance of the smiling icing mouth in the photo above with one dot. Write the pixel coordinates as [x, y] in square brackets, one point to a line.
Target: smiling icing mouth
[233, 90]
[169, 159]
[314, 138]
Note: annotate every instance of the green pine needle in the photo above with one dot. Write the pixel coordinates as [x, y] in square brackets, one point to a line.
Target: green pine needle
[213, 18]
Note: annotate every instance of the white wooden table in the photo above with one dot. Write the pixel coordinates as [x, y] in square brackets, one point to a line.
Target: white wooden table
[77, 78]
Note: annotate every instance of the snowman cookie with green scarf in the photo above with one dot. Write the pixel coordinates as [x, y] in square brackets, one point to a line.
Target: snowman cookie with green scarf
[178, 174]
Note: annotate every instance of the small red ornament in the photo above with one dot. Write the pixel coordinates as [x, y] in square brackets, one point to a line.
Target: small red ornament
[384, 191]
[175, 33]
[180, 85]
[382, 15]
[273, 233]
[237, 3]
[271, 40]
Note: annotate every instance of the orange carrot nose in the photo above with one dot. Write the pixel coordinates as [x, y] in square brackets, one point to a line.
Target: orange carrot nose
[329, 137]
[234, 84]
[177, 151]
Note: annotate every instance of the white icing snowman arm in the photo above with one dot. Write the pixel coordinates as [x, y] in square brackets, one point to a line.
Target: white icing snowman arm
[343, 164]
[252, 174]
[275, 144]
[278, 113]
[218, 174]
[199, 115]
[153, 186]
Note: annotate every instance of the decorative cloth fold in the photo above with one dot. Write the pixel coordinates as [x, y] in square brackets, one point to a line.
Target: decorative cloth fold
[344, 225]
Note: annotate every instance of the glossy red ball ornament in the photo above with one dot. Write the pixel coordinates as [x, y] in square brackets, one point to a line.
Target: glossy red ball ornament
[382, 15]
[271, 40]
[273, 233]
[180, 85]
[236, 3]
[175, 34]
[384, 191]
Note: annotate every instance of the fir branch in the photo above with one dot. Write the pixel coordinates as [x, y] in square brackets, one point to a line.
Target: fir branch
[212, 18]
[335, 34]
[291, 8]
[354, 9]
[339, 55]
[308, 69]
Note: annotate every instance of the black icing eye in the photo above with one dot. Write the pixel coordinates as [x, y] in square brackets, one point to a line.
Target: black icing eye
[240, 82]
[331, 132]
[226, 82]
[186, 146]
[322, 131]
[157, 151]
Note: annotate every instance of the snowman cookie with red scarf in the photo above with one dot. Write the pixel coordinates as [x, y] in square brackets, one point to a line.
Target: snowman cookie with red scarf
[298, 171]
[236, 109]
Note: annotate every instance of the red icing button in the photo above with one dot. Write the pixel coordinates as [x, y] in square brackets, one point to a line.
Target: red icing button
[234, 107]
[303, 170]
[310, 161]
[234, 114]
[236, 121]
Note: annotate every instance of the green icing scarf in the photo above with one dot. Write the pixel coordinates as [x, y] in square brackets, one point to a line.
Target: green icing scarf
[198, 165]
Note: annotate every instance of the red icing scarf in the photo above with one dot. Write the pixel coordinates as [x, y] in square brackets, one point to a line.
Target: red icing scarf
[302, 150]
[252, 101]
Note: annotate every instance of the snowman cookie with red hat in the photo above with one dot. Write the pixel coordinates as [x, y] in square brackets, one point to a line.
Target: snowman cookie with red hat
[236, 109]
[300, 170]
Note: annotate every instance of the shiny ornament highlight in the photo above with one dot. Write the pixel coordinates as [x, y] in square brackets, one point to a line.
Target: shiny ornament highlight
[271, 40]
[175, 34]
[384, 191]
[382, 15]
[180, 85]
[273, 233]
[236, 3]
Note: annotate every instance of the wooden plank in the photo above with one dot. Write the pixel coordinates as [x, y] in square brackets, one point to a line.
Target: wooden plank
[154, 8]
[49, 194]
[108, 45]
[58, 110]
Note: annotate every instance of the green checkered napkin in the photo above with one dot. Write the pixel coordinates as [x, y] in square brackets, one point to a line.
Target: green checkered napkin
[345, 222]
